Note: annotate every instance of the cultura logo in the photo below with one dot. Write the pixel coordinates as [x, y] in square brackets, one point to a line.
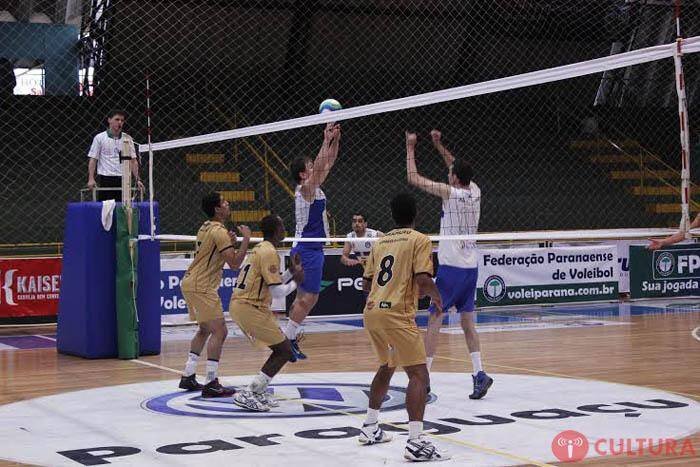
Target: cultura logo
[570, 446]
[326, 284]
[494, 289]
[665, 264]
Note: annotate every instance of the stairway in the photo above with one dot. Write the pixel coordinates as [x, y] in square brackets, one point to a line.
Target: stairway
[645, 176]
[214, 171]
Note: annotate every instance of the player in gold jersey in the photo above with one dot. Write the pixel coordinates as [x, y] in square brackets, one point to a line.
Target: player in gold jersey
[200, 285]
[398, 271]
[259, 281]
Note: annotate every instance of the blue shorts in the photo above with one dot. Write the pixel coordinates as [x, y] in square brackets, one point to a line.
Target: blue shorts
[312, 262]
[457, 287]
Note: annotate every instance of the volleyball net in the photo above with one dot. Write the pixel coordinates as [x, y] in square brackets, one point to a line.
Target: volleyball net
[554, 149]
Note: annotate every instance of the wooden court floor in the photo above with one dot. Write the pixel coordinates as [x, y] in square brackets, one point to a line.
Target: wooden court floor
[653, 351]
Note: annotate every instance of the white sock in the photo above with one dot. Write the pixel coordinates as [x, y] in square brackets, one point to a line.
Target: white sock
[415, 429]
[260, 382]
[191, 365]
[429, 362]
[212, 370]
[476, 362]
[291, 330]
[372, 416]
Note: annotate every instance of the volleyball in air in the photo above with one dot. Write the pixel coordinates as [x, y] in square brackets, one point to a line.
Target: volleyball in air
[329, 105]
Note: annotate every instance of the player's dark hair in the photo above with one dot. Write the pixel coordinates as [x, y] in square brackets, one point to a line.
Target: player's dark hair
[463, 171]
[297, 166]
[114, 112]
[210, 202]
[268, 225]
[403, 209]
[359, 213]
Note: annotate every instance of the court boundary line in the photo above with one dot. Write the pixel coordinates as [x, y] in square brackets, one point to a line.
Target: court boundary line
[696, 333]
[448, 439]
[561, 375]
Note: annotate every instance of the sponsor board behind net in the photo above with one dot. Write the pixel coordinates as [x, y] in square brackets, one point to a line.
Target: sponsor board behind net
[29, 286]
[671, 272]
[547, 275]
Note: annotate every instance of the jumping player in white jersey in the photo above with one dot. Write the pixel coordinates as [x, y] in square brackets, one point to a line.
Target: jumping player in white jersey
[311, 222]
[458, 260]
[359, 249]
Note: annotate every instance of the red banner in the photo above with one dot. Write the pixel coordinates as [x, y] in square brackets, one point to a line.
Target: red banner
[29, 287]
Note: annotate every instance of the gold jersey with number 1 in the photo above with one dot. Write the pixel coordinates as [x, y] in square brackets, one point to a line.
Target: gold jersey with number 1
[392, 265]
[259, 271]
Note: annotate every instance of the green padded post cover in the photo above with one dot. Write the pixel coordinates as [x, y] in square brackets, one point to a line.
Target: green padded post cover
[127, 319]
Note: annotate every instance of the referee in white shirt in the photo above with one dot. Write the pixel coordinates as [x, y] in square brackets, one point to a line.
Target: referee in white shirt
[106, 152]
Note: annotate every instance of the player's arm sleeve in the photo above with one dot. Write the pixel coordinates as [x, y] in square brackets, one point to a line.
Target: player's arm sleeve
[423, 256]
[94, 148]
[270, 268]
[222, 240]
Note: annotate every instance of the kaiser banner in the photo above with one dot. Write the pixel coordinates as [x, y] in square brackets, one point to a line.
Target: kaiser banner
[547, 275]
[29, 287]
[671, 272]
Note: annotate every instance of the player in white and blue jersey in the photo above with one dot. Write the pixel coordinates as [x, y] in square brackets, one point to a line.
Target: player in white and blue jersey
[458, 260]
[356, 252]
[311, 222]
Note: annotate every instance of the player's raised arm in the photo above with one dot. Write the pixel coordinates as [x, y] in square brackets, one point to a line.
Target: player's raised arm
[414, 178]
[447, 156]
[326, 157]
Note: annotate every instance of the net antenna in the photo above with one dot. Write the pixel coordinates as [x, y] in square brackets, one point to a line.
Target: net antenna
[683, 122]
[151, 188]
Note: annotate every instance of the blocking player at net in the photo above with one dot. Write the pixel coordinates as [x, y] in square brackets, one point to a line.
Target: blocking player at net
[311, 222]
[259, 281]
[458, 259]
[200, 285]
[398, 271]
[359, 249]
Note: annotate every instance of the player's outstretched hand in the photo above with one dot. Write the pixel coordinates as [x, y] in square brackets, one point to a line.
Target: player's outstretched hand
[411, 139]
[654, 244]
[436, 136]
[296, 269]
[232, 236]
[332, 132]
[244, 230]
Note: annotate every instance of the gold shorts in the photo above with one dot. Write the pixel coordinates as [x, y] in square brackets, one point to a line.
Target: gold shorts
[397, 347]
[203, 306]
[260, 325]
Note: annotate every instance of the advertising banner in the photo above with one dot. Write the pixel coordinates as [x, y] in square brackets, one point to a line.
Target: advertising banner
[547, 275]
[29, 287]
[341, 289]
[671, 272]
[173, 308]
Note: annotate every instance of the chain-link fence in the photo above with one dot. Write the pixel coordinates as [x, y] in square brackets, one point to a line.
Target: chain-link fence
[592, 152]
